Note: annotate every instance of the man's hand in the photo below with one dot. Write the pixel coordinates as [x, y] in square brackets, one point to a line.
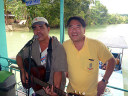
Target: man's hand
[57, 82]
[101, 88]
[50, 91]
[24, 77]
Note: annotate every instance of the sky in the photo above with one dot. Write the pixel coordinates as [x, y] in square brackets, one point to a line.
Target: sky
[116, 6]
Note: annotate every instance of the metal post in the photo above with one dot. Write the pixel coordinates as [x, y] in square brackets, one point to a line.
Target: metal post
[61, 21]
[3, 44]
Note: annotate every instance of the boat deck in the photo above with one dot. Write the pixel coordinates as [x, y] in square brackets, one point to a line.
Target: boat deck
[116, 80]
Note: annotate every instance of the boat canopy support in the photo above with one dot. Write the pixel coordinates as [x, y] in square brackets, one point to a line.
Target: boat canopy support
[3, 43]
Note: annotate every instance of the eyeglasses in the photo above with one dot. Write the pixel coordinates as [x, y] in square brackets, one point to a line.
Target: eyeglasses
[71, 27]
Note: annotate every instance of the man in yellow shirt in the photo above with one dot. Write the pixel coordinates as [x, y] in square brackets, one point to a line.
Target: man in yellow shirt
[83, 56]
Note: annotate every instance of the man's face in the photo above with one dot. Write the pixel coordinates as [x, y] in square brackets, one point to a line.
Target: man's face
[42, 31]
[76, 31]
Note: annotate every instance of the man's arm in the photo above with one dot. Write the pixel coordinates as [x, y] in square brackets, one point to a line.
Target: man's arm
[103, 82]
[20, 65]
[57, 82]
[57, 79]
[109, 69]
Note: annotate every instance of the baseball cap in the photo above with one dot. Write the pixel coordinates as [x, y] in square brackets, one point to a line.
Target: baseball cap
[39, 20]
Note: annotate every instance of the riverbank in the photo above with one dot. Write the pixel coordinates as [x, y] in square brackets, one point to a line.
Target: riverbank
[15, 28]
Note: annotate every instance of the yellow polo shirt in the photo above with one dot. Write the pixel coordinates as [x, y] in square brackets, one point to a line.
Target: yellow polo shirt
[83, 65]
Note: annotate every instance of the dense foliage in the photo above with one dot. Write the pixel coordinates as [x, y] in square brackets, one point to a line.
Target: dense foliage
[93, 13]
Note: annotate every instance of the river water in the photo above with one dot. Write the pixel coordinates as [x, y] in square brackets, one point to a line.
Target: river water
[16, 40]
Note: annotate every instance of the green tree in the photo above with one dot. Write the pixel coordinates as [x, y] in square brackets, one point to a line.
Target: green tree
[16, 8]
[116, 19]
[98, 14]
[49, 9]
[76, 8]
[94, 15]
[126, 19]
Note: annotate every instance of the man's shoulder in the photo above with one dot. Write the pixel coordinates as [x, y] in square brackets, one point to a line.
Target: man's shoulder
[55, 41]
[93, 41]
[56, 44]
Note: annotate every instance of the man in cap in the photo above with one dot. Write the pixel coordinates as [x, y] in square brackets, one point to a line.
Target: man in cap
[55, 64]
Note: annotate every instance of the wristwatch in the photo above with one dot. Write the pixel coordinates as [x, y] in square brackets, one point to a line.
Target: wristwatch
[105, 81]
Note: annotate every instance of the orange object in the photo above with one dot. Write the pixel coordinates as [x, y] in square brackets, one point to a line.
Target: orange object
[117, 61]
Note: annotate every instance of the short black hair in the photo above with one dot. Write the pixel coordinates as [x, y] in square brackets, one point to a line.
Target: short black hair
[80, 19]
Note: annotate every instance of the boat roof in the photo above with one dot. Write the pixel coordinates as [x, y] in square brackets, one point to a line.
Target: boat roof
[113, 41]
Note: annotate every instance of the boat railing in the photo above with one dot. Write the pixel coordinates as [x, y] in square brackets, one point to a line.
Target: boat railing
[117, 88]
[13, 68]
